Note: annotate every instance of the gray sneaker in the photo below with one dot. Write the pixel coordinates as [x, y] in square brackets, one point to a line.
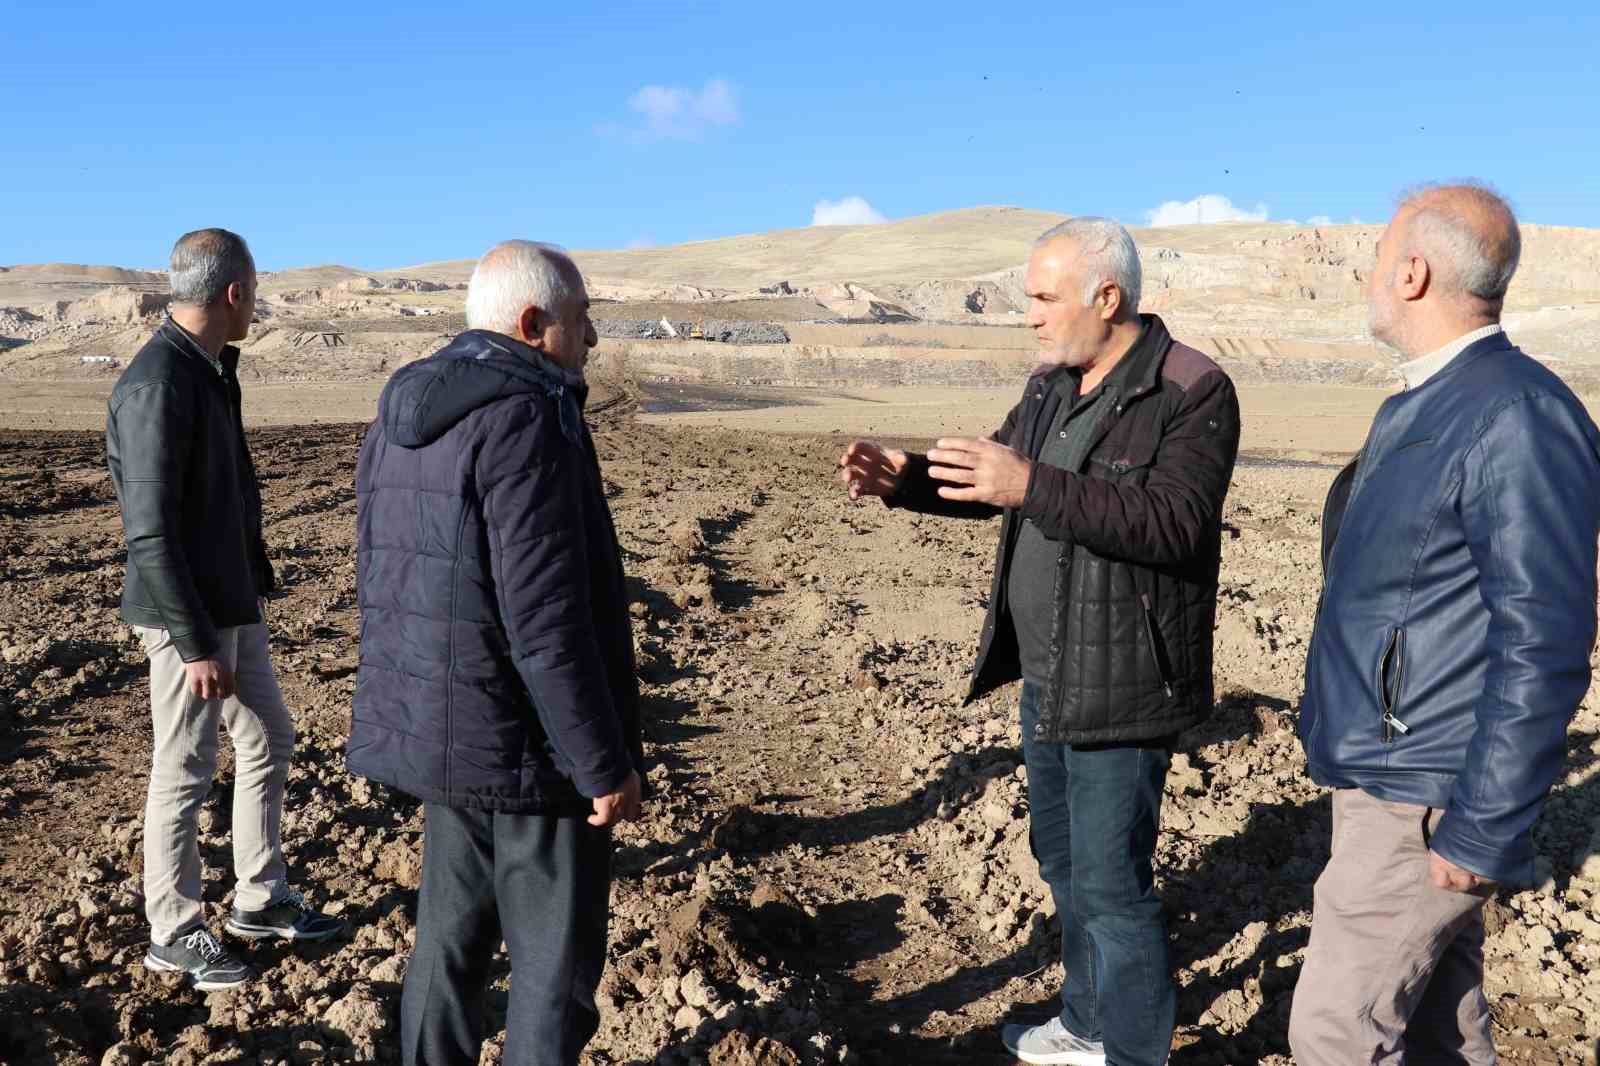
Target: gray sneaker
[290, 918]
[199, 955]
[1052, 1044]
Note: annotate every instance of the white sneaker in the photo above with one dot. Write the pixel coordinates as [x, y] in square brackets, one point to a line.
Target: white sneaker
[1052, 1044]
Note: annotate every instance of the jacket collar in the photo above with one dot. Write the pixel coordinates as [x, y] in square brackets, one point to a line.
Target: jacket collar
[1491, 341]
[1139, 371]
[225, 365]
[543, 365]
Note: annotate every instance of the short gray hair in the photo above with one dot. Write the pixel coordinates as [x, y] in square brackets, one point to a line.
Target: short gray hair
[514, 274]
[205, 262]
[1468, 234]
[1107, 252]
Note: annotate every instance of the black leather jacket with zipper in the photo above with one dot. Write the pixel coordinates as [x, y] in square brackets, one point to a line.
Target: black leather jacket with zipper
[191, 509]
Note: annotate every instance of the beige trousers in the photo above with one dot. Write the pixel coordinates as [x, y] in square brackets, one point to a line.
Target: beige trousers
[1394, 973]
[183, 762]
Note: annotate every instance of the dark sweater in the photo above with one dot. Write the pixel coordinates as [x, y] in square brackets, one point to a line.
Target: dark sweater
[1036, 554]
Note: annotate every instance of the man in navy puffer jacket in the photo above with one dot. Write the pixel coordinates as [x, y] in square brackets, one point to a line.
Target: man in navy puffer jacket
[497, 672]
[1451, 647]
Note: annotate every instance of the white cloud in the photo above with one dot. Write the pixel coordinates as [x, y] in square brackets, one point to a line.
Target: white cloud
[1319, 220]
[1211, 207]
[673, 111]
[850, 211]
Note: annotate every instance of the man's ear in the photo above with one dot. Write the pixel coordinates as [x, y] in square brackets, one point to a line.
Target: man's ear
[1414, 278]
[234, 297]
[1110, 298]
[528, 327]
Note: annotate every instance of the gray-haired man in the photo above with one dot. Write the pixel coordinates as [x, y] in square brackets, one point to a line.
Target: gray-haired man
[1451, 649]
[197, 574]
[1111, 473]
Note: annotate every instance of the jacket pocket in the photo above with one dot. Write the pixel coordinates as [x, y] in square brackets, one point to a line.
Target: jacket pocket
[1391, 671]
[1158, 648]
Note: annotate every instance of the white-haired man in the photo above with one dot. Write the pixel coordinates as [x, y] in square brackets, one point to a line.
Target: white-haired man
[497, 675]
[1111, 474]
[197, 576]
[1451, 648]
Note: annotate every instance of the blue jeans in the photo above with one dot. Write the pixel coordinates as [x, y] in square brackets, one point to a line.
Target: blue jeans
[1095, 813]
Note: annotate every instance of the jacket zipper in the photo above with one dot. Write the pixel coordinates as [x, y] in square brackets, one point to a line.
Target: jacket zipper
[1343, 477]
[1393, 652]
[1155, 651]
[1358, 477]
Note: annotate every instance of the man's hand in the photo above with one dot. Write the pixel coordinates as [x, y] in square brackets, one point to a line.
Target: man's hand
[619, 806]
[210, 679]
[1443, 873]
[867, 468]
[983, 471]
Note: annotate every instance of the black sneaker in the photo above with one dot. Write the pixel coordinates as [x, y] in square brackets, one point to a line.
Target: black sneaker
[199, 955]
[290, 918]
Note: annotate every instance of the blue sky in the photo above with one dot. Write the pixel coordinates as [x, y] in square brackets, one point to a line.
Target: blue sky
[381, 136]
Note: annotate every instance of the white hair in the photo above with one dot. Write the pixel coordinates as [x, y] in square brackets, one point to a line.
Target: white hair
[514, 274]
[1469, 236]
[1107, 253]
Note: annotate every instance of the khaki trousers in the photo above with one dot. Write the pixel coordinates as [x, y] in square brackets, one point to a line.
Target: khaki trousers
[1394, 973]
[183, 762]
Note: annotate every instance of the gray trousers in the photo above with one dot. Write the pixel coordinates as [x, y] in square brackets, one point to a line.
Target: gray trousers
[183, 762]
[541, 883]
[1394, 973]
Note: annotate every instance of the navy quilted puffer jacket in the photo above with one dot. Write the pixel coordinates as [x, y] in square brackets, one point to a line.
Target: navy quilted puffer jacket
[497, 667]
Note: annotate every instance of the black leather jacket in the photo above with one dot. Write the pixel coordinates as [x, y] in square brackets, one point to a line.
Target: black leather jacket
[1452, 644]
[191, 510]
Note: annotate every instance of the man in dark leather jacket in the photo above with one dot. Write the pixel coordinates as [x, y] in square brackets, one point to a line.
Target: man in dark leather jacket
[1111, 474]
[497, 678]
[197, 574]
[1451, 647]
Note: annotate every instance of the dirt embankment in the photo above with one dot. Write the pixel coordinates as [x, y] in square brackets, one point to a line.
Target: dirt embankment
[836, 868]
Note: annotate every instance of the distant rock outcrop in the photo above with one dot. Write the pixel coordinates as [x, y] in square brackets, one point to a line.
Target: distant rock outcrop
[117, 305]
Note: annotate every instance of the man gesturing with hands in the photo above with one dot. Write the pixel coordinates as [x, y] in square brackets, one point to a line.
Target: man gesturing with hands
[1110, 474]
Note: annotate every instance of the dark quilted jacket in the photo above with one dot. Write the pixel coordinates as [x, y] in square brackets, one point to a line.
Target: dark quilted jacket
[497, 667]
[1136, 594]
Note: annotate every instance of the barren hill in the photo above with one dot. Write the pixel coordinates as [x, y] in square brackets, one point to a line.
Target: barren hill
[935, 299]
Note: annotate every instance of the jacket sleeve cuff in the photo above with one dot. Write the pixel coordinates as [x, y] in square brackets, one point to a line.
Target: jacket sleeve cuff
[195, 646]
[912, 481]
[1041, 502]
[1513, 866]
[603, 783]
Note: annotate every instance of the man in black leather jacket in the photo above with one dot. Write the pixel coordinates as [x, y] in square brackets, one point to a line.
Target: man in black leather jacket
[196, 580]
[1451, 648]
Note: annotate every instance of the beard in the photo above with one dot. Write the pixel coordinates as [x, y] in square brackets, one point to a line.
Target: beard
[1382, 321]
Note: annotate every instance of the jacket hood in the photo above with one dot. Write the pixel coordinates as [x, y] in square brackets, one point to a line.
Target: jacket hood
[423, 400]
